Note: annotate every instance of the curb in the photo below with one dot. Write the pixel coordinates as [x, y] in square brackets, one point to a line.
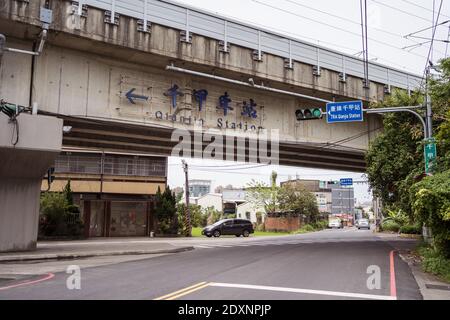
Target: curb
[73, 256]
[422, 279]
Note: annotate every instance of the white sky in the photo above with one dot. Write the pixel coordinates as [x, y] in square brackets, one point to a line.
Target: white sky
[318, 21]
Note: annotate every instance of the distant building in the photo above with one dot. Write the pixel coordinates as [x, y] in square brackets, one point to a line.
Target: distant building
[199, 188]
[115, 192]
[331, 197]
[232, 198]
[248, 211]
[212, 200]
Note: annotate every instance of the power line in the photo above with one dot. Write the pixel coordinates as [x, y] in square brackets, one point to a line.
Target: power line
[422, 7]
[400, 10]
[301, 37]
[346, 19]
[432, 43]
[333, 27]
[448, 38]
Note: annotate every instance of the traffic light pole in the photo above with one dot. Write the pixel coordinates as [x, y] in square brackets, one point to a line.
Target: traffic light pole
[426, 132]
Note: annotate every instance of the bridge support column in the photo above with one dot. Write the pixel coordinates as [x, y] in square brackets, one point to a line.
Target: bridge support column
[22, 168]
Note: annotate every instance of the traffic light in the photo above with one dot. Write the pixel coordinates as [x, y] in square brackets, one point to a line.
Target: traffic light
[308, 114]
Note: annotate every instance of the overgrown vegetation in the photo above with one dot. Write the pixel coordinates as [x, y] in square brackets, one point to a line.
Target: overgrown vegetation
[166, 212]
[434, 262]
[291, 199]
[395, 169]
[59, 217]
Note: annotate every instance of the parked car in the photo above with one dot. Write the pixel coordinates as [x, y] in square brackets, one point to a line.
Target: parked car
[363, 224]
[237, 227]
[336, 223]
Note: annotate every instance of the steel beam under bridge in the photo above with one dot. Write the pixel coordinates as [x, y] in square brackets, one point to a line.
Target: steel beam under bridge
[130, 138]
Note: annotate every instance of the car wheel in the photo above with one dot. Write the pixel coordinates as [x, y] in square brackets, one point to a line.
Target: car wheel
[217, 234]
[246, 233]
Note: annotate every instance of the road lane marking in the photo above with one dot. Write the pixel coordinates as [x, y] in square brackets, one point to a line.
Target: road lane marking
[392, 273]
[306, 291]
[167, 296]
[185, 293]
[27, 283]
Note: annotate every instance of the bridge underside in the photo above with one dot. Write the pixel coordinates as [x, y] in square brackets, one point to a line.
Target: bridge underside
[135, 138]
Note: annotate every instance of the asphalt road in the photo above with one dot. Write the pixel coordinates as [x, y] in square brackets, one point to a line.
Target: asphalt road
[331, 264]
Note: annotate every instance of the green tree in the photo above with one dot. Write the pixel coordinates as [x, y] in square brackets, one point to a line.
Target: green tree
[296, 200]
[166, 212]
[395, 156]
[431, 204]
[59, 217]
[262, 195]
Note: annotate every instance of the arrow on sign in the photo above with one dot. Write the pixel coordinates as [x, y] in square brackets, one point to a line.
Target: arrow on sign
[131, 97]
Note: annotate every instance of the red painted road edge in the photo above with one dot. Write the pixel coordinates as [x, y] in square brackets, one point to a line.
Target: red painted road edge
[393, 283]
[27, 283]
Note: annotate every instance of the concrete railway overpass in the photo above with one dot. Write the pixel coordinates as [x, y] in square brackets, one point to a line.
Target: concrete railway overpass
[105, 69]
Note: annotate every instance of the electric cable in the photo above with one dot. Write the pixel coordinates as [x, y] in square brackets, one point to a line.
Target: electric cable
[333, 27]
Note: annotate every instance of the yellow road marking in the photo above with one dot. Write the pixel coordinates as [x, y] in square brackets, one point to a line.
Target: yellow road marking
[180, 291]
[188, 292]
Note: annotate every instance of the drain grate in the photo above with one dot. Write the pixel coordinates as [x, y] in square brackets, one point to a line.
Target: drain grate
[438, 287]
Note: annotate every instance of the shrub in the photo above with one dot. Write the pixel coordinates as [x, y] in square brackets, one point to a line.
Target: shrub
[435, 262]
[260, 227]
[390, 226]
[306, 229]
[411, 229]
[57, 217]
[431, 206]
[320, 225]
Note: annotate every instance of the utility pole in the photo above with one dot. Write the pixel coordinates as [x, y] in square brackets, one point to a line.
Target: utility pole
[429, 106]
[188, 210]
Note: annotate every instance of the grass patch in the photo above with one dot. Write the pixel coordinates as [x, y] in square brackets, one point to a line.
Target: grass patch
[434, 262]
[197, 232]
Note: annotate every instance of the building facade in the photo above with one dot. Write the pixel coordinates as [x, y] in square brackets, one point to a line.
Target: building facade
[115, 192]
[331, 197]
[199, 188]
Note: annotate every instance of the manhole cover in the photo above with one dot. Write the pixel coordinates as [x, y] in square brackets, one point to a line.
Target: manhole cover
[438, 287]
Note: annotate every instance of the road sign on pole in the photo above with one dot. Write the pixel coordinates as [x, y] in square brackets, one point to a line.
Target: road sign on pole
[345, 112]
[430, 155]
[347, 182]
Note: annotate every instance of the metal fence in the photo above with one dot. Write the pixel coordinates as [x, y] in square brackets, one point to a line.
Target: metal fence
[110, 165]
[190, 20]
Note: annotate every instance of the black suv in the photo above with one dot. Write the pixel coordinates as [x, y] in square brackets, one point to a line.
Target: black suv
[237, 227]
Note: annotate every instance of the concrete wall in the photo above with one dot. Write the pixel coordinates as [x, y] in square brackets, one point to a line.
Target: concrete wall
[21, 170]
[211, 200]
[282, 224]
[250, 208]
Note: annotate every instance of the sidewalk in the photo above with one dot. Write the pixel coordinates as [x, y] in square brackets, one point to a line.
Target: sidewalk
[93, 248]
[431, 287]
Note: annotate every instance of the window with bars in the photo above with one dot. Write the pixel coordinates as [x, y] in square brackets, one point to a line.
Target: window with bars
[110, 165]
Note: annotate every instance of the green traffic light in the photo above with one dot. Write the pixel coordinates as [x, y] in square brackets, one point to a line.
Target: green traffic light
[317, 113]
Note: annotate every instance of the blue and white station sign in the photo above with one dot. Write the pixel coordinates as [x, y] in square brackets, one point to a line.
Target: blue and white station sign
[346, 182]
[345, 112]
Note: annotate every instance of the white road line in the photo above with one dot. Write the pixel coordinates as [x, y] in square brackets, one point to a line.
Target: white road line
[307, 291]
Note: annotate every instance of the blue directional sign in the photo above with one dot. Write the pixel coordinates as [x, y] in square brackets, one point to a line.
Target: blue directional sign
[347, 182]
[345, 112]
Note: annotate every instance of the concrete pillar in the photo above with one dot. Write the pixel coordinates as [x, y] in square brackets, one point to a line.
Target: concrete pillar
[22, 168]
